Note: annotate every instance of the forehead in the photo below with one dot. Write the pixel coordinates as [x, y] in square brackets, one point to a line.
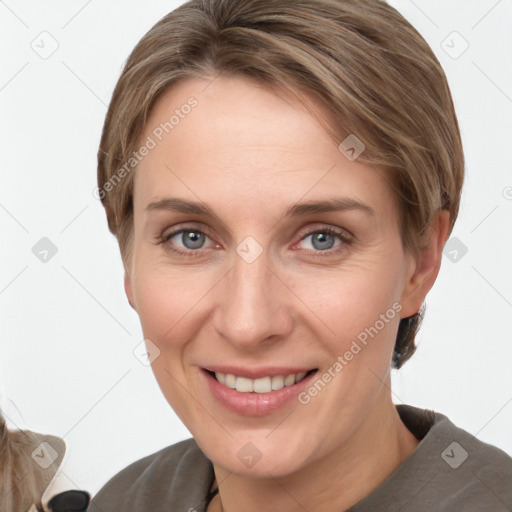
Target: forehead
[242, 141]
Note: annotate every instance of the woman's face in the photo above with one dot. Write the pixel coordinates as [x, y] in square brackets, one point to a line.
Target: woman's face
[232, 272]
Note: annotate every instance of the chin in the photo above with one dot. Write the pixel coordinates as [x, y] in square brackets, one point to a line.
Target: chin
[258, 456]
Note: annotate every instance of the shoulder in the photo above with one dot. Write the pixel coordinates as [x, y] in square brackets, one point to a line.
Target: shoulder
[176, 477]
[482, 471]
[458, 470]
[464, 446]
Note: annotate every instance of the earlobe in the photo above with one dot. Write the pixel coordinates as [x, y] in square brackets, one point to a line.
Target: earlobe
[426, 265]
[128, 289]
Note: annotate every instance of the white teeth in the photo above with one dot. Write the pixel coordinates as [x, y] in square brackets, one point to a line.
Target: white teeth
[300, 376]
[244, 385]
[230, 381]
[289, 380]
[261, 385]
[277, 382]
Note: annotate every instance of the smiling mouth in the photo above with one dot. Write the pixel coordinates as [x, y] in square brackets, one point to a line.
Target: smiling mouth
[261, 385]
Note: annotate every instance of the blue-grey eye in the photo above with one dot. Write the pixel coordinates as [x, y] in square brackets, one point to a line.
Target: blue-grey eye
[322, 240]
[192, 239]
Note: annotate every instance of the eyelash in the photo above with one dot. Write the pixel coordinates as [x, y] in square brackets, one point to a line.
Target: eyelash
[346, 241]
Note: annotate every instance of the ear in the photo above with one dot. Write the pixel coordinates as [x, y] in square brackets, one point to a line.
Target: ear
[128, 289]
[424, 268]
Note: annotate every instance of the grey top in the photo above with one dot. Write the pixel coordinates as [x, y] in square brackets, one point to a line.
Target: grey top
[450, 470]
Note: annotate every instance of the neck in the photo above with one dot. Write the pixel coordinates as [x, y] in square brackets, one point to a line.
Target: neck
[336, 482]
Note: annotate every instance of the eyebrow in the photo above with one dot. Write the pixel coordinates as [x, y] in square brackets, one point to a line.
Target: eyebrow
[336, 204]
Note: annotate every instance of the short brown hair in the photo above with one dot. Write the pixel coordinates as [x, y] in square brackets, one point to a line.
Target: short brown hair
[360, 58]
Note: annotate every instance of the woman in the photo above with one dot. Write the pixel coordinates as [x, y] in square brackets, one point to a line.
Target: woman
[281, 178]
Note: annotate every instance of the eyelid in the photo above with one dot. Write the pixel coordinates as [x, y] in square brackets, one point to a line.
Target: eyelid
[343, 233]
[173, 230]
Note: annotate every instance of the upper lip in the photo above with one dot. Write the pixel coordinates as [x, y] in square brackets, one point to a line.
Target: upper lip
[257, 373]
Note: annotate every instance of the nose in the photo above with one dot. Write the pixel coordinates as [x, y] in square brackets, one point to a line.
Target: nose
[255, 304]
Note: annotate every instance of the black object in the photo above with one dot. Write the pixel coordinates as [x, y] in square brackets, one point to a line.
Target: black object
[69, 501]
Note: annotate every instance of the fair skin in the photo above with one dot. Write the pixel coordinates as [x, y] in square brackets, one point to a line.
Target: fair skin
[250, 154]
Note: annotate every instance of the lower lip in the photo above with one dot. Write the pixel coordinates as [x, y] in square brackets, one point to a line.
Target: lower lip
[254, 404]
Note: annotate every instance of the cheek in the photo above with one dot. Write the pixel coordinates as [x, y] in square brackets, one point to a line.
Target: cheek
[168, 308]
[350, 298]
[364, 331]
[359, 313]
[163, 303]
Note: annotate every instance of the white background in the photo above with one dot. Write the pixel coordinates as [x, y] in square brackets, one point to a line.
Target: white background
[67, 332]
